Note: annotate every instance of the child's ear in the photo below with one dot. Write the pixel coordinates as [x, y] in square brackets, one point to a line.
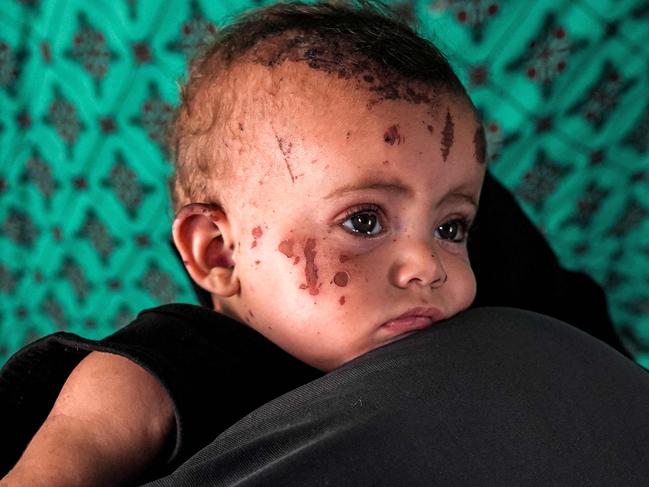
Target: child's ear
[203, 236]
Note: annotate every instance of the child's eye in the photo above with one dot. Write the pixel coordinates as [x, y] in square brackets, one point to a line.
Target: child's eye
[364, 222]
[453, 230]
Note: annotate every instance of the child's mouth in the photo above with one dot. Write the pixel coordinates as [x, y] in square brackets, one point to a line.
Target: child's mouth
[411, 323]
[414, 319]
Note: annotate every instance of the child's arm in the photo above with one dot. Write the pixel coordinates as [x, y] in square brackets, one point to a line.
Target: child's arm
[108, 424]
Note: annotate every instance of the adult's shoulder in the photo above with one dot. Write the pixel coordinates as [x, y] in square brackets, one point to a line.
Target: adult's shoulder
[493, 396]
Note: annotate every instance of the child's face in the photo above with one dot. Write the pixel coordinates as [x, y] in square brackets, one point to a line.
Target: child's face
[357, 219]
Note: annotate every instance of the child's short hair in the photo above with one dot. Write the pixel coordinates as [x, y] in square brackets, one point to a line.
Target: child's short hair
[364, 42]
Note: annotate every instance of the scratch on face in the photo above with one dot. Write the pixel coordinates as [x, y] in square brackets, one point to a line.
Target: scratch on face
[392, 136]
[480, 144]
[285, 147]
[448, 136]
[310, 269]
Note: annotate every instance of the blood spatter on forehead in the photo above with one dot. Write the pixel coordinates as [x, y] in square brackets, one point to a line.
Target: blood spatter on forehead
[391, 87]
[386, 162]
[341, 279]
[310, 269]
[392, 135]
[286, 247]
[342, 300]
[480, 145]
[430, 128]
[343, 258]
[285, 147]
[448, 136]
[331, 55]
[241, 126]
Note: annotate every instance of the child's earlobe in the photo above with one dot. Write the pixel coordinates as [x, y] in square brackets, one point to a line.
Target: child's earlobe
[203, 236]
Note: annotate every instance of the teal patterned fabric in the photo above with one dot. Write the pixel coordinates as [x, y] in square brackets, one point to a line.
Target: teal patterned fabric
[87, 87]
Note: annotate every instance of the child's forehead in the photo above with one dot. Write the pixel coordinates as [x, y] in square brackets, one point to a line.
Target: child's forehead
[299, 112]
[295, 88]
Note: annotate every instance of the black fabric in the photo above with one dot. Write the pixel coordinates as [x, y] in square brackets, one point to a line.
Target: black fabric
[215, 370]
[515, 267]
[491, 397]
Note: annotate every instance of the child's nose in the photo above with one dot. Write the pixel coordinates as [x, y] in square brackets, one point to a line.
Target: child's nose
[417, 263]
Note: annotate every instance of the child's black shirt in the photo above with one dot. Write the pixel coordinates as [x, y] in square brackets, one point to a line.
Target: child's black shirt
[215, 369]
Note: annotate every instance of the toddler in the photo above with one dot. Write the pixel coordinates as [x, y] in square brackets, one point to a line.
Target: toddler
[328, 168]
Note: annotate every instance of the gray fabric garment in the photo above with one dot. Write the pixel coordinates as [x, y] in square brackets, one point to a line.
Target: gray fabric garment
[494, 396]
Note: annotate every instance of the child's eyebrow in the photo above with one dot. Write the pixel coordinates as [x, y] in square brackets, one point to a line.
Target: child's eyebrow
[454, 197]
[365, 184]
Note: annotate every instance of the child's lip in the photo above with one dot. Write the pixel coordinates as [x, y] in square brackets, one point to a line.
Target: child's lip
[414, 319]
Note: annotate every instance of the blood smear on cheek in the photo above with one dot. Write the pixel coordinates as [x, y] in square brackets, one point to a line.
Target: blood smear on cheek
[342, 300]
[286, 248]
[310, 269]
[341, 279]
[256, 233]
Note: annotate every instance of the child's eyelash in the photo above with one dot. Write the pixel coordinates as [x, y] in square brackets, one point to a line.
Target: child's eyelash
[358, 209]
[465, 224]
[376, 228]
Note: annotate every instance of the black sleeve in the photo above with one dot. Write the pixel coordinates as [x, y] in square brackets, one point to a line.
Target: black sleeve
[492, 396]
[215, 370]
[515, 267]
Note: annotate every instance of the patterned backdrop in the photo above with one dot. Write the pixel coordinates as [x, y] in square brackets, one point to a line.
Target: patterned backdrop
[86, 89]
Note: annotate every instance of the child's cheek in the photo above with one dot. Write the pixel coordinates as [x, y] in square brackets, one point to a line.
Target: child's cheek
[320, 270]
[302, 254]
